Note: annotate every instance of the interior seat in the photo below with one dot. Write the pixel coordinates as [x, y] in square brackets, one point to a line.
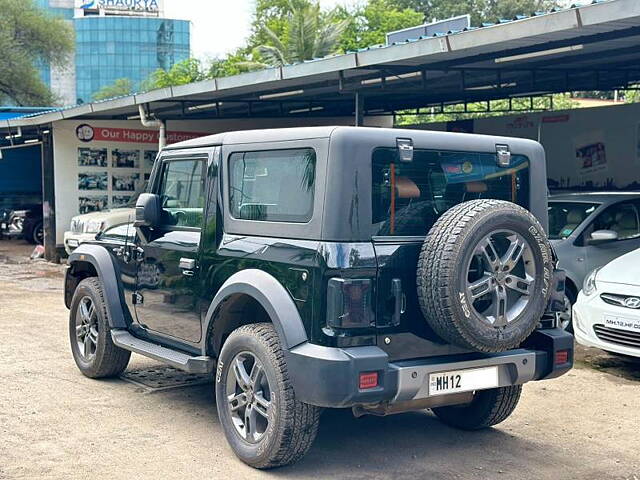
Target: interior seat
[626, 224]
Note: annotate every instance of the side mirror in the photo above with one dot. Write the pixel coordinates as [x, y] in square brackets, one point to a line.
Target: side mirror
[148, 210]
[603, 236]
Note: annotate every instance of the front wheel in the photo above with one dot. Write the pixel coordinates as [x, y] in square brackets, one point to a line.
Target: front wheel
[93, 350]
[488, 408]
[263, 422]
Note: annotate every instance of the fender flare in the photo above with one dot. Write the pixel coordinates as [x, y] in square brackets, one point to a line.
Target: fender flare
[99, 257]
[271, 295]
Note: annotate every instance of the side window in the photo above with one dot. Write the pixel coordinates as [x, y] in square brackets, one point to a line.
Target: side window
[182, 193]
[273, 185]
[623, 218]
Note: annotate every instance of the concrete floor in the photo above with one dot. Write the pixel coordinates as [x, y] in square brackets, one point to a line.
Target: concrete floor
[55, 423]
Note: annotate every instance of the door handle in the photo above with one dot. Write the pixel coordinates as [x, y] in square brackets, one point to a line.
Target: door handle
[187, 265]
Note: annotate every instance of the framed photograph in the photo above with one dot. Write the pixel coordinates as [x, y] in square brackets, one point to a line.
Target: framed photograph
[125, 158]
[119, 201]
[126, 182]
[92, 204]
[93, 181]
[92, 157]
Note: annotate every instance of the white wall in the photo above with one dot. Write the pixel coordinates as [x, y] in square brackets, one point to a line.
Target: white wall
[67, 145]
[565, 134]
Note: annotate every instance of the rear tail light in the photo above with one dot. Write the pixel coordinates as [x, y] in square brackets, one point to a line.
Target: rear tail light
[349, 303]
[368, 380]
[562, 357]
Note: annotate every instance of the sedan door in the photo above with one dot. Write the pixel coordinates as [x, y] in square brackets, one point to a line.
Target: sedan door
[622, 218]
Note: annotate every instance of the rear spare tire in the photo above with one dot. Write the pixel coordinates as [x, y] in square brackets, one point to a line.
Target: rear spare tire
[484, 275]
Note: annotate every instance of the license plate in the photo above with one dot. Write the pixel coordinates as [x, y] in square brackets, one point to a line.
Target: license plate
[623, 323]
[72, 242]
[3, 226]
[463, 380]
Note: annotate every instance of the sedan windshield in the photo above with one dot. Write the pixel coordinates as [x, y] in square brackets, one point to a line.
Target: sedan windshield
[565, 217]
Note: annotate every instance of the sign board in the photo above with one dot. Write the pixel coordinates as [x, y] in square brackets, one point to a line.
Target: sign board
[150, 6]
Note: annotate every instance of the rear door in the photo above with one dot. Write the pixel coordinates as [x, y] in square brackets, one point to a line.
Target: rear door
[407, 200]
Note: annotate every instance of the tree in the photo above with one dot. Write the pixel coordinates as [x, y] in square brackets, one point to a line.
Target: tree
[369, 23]
[119, 88]
[307, 33]
[186, 71]
[560, 101]
[30, 36]
[481, 11]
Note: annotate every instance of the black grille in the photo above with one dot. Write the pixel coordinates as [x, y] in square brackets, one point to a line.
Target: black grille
[614, 299]
[617, 336]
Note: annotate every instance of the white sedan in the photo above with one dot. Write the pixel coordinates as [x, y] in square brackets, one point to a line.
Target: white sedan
[607, 312]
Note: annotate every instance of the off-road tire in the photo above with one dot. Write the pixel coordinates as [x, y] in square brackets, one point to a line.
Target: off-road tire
[488, 408]
[109, 360]
[441, 274]
[294, 425]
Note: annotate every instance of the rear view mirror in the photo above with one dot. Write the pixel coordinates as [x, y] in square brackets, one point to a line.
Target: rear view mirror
[602, 236]
[148, 210]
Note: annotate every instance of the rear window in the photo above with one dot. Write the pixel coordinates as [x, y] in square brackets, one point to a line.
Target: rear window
[409, 197]
[273, 185]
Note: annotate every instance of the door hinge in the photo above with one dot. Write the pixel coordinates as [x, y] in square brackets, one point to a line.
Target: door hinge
[137, 298]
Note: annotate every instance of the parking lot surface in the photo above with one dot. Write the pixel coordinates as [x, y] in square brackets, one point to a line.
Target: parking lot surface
[55, 423]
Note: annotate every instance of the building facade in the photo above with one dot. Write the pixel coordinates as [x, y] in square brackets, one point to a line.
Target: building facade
[114, 39]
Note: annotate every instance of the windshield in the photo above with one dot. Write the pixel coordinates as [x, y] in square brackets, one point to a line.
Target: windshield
[565, 217]
[409, 197]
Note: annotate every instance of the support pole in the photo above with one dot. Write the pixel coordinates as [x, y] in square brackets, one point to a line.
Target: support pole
[359, 109]
[49, 198]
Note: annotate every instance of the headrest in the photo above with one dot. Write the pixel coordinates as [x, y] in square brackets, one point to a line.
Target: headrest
[574, 216]
[407, 188]
[627, 220]
[475, 187]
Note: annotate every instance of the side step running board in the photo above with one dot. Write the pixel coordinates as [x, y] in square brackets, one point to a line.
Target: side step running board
[124, 339]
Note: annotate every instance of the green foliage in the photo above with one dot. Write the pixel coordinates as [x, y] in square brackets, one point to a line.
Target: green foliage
[307, 33]
[632, 96]
[560, 101]
[29, 36]
[480, 10]
[369, 23]
[119, 88]
[187, 71]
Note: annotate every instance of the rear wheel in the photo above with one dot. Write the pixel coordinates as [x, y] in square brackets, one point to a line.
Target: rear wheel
[263, 422]
[488, 408]
[566, 316]
[33, 232]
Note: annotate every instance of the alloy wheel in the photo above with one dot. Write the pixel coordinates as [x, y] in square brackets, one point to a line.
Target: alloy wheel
[500, 277]
[87, 329]
[248, 397]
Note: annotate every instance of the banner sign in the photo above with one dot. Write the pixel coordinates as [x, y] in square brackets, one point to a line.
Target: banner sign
[87, 133]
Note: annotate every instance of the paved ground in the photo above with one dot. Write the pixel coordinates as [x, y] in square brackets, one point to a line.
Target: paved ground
[55, 423]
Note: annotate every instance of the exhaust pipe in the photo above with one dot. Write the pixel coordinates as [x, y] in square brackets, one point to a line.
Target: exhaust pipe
[385, 408]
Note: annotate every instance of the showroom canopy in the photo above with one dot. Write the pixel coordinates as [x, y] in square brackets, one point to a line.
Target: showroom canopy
[590, 47]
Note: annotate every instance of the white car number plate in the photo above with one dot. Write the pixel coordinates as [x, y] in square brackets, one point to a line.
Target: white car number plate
[3, 226]
[463, 380]
[623, 323]
[73, 242]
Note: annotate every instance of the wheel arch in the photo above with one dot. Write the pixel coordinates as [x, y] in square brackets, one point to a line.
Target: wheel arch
[94, 260]
[257, 287]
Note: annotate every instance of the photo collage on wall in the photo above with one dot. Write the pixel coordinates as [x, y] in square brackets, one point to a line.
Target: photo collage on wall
[110, 178]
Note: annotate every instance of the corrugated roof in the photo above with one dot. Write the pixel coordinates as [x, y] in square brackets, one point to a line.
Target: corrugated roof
[606, 32]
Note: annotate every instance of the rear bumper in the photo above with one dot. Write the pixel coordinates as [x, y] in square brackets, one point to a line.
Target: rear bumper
[328, 377]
